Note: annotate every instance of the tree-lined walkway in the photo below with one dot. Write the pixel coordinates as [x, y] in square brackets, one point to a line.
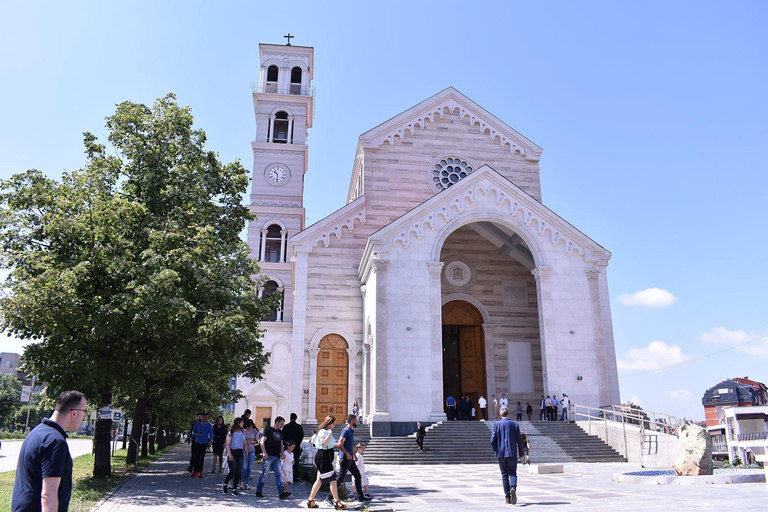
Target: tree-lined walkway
[165, 486]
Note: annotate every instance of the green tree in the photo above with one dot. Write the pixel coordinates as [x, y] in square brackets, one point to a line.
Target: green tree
[130, 273]
[10, 398]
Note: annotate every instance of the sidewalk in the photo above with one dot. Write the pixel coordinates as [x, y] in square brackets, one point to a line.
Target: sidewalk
[165, 486]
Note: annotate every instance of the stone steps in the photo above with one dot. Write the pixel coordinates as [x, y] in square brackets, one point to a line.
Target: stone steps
[468, 442]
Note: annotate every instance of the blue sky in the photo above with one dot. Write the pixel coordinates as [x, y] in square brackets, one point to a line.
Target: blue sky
[652, 116]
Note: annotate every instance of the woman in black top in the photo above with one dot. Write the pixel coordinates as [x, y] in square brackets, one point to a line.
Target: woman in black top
[219, 438]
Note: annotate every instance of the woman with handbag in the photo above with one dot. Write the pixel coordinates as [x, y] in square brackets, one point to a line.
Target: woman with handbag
[325, 443]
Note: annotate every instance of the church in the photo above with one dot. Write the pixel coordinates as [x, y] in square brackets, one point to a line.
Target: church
[443, 274]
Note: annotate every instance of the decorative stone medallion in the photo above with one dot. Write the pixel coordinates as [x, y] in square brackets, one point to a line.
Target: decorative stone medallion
[459, 274]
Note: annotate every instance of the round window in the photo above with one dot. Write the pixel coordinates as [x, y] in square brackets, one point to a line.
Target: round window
[448, 171]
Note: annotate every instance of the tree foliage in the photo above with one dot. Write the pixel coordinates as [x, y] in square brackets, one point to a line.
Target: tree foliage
[130, 274]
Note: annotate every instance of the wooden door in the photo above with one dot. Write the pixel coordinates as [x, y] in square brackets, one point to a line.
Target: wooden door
[463, 352]
[332, 378]
[262, 416]
[472, 364]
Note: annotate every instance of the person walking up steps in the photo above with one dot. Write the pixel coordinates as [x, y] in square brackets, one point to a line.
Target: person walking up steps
[421, 433]
[507, 444]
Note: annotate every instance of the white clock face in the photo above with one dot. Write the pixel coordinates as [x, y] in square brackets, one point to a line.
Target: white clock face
[277, 174]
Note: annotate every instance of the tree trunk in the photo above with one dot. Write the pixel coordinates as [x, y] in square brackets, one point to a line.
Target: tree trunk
[138, 422]
[102, 463]
[125, 433]
[153, 433]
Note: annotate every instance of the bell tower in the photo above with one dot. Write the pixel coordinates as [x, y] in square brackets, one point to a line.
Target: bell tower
[283, 106]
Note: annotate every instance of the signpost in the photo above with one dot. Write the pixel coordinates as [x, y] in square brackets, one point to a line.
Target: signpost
[26, 393]
[29, 401]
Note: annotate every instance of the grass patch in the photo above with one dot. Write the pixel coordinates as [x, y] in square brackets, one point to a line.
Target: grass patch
[86, 490]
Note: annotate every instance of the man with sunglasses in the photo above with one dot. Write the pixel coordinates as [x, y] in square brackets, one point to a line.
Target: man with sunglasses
[44, 473]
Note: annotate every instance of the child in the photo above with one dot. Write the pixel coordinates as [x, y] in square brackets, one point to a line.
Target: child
[286, 466]
[360, 450]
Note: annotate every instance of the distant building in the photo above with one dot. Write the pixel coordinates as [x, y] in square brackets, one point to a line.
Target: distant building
[730, 408]
[9, 363]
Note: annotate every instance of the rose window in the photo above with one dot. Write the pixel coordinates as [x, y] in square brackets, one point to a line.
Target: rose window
[449, 171]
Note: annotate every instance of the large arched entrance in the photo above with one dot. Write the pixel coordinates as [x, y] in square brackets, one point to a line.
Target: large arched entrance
[463, 352]
[332, 377]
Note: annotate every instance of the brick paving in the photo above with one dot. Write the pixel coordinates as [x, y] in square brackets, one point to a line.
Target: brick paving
[165, 486]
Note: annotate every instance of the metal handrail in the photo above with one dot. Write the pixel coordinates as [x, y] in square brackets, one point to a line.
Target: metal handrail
[644, 420]
[138, 447]
[292, 90]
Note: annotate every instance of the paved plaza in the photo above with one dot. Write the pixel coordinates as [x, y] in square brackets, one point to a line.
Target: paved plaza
[165, 486]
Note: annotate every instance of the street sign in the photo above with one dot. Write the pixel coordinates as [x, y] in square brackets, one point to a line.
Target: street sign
[104, 413]
[26, 393]
[117, 415]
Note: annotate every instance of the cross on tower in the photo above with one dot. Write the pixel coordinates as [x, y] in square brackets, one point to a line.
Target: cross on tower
[289, 37]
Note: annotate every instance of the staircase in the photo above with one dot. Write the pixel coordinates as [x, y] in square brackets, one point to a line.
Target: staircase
[562, 441]
[449, 442]
[468, 442]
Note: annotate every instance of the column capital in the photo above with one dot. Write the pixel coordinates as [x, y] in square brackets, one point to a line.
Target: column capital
[313, 351]
[435, 268]
[283, 231]
[368, 341]
[488, 328]
[352, 352]
[541, 272]
[593, 273]
[380, 265]
[362, 290]
[264, 231]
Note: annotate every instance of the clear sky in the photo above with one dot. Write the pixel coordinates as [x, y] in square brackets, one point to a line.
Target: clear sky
[652, 115]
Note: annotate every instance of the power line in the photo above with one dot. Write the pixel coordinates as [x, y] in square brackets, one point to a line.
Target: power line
[692, 360]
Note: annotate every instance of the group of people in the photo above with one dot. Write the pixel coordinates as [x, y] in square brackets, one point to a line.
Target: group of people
[351, 461]
[549, 406]
[463, 410]
[279, 446]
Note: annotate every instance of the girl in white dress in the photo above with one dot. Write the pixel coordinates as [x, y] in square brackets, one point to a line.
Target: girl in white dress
[286, 466]
[360, 449]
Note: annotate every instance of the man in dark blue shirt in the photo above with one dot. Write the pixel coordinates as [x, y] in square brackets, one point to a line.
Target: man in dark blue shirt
[202, 438]
[346, 445]
[44, 473]
[450, 402]
[507, 443]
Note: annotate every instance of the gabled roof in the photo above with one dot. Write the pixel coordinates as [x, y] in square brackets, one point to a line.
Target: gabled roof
[510, 200]
[333, 224]
[452, 100]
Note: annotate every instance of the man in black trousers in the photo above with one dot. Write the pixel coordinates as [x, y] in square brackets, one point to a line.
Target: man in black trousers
[293, 431]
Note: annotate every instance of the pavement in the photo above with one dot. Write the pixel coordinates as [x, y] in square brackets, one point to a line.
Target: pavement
[165, 486]
[9, 453]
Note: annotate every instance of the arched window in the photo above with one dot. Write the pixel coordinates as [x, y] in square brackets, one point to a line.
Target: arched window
[271, 287]
[272, 73]
[281, 128]
[296, 80]
[273, 243]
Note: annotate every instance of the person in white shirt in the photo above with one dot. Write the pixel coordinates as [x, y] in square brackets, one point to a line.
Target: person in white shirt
[566, 402]
[482, 403]
[503, 402]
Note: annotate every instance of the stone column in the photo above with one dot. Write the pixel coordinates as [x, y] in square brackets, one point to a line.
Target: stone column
[313, 351]
[490, 367]
[283, 234]
[380, 409]
[298, 336]
[271, 128]
[279, 317]
[597, 328]
[543, 277]
[289, 135]
[263, 250]
[365, 407]
[436, 340]
[352, 378]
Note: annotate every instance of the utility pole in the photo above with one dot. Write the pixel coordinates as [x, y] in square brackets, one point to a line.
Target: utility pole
[29, 405]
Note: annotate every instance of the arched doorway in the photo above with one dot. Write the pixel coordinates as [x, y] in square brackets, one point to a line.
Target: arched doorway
[463, 352]
[332, 378]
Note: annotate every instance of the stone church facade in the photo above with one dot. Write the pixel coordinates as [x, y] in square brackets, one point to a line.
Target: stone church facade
[443, 274]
